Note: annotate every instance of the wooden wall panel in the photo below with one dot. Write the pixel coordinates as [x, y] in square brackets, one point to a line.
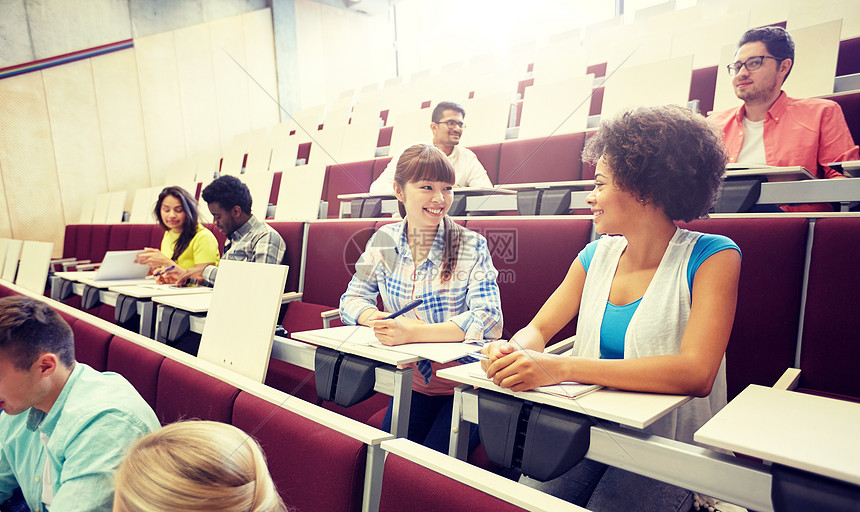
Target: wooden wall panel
[160, 100]
[197, 89]
[76, 132]
[5, 225]
[118, 100]
[260, 59]
[27, 159]
[231, 80]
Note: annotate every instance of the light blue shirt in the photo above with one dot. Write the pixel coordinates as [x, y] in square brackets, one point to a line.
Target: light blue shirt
[89, 428]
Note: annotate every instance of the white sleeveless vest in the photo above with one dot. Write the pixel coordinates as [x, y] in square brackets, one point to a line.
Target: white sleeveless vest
[656, 327]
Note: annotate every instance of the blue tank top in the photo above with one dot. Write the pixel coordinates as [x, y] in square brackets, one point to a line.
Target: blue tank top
[616, 319]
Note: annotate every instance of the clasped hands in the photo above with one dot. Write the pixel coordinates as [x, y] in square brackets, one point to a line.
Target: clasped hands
[518, 369]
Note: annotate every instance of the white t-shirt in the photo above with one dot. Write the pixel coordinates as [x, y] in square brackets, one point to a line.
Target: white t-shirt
[468, 172]
[752, 151]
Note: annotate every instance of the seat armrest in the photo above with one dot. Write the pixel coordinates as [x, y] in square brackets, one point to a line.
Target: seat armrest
[328, 316]
[290, 297]
[88, 266]
[73, 263]
[789, 380]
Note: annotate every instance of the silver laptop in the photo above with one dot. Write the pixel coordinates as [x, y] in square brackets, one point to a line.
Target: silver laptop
[118, 265]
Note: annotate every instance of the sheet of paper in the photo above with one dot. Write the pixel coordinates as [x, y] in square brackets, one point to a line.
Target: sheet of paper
[363, 335]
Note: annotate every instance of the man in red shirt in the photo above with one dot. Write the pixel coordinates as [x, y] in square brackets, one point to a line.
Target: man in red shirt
[771, 128]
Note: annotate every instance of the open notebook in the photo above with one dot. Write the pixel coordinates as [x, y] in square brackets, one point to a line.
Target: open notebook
[562, 389]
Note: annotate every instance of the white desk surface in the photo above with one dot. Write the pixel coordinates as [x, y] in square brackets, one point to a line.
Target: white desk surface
[89, 281]
[772, 173]
[457, 190]
[340, 338]
[807, 432]
[154, 290]
[625, 407]
[850, 165]
[76, 276]
[578, 184]
[192, 303]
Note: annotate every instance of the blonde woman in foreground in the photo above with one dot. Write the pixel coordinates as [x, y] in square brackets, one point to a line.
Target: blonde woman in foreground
[195, 466]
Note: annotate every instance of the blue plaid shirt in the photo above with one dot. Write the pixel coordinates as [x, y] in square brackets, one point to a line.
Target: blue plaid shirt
[470, 298]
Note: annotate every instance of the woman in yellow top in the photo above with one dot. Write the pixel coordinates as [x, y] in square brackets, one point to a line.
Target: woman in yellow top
[186, 243]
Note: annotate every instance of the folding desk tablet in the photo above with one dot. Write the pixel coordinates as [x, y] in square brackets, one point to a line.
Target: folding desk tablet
[541, 198]
[543, 435]
[812, 441]
[10, 264]
[350, 354]
[34, 266]
[131, 300]
[243, 311]
[177, 314]
[92, 291]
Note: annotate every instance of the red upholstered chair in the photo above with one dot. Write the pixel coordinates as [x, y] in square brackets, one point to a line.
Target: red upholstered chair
[332, 250]
[489, 157]
[829, 353]
[276, 188]
[409, 485]
[118, 237]
[764, 337]
[703, 86]
[555, 158]
[850, 104]
[99, 243]
[379, 165]
[80, 246]
[139, 365]
[293, 234]
[218, 236]
[70, 241]
[315, 468]
[186, 393]
[532, 257]
[91, 344]
[67, 317]
[848, 62]
[143, 235]
[350, 178]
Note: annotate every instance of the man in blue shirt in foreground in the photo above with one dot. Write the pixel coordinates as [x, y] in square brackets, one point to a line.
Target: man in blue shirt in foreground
[64, 427]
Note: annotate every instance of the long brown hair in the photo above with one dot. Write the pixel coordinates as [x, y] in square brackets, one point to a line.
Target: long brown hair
[425, 162]
[189, 227]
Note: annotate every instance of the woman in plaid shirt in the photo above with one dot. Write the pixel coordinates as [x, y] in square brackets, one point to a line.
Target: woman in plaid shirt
[426, 256]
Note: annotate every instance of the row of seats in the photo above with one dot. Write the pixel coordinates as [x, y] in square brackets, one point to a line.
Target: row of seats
[791, 305]
[319, 461]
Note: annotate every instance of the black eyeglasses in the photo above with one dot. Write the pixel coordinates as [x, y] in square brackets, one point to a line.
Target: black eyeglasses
[452, 123]
[752, 64]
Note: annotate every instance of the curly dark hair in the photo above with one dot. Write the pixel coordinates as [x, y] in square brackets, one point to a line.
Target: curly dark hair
[667, 156]
[228, 192]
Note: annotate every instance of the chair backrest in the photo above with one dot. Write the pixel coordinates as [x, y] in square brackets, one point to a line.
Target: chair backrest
[764, 336]
[91, 345]
[829, 353]
[300, 192]
[645, 85]
[348, 178]
[186, 393]
[314, 467]
[547, 159]
[33, 269]
[532, 257]
[333, 247]
[139, 365]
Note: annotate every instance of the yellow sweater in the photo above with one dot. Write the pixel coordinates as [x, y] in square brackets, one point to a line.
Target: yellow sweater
[202, 249]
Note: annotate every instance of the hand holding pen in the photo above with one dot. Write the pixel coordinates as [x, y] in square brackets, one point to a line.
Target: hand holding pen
[394, 329]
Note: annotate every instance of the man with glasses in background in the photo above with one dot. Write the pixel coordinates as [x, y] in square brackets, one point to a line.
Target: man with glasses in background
[447, 127]
[773, 129]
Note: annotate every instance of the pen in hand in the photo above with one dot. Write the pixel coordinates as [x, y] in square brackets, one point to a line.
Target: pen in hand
[409, 307]
[168, 269]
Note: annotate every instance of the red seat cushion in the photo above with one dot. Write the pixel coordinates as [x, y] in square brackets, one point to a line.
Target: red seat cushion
[91, 344]
[186, 393]
[139, 365]
[315, 468]
[410, 486]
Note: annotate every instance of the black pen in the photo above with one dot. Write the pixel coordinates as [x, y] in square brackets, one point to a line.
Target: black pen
[409, 307]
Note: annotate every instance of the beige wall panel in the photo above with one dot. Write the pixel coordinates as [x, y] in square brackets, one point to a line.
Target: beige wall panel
[231, 81]
[76, 132]
[197, 88]
[27, 159]
[811, 12]
[706, 50]
[118, 100]
[63, 26]
[260, 59]
[762, 12]
[162, 107]
[646, 86]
